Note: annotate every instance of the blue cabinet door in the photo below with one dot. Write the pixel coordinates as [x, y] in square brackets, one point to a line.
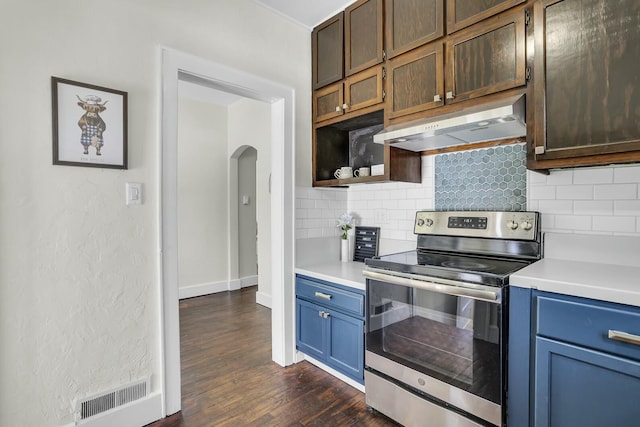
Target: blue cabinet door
[576, 386]
[311, 331]
[345, 350]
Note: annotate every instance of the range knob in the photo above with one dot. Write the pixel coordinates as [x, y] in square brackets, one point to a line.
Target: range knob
[526, 225]
[420, 222]
[429, 222]
[512, 224]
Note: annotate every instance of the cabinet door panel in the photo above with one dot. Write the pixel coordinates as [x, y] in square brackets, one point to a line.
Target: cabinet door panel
[575, 386]
[590, 87]
[363, 89]
[487, 59]
[416, 77]
[311, 329]
[345, 349]
[363, 35]
[412, 23]
[327, 50]
[327, 102]
[462, 13]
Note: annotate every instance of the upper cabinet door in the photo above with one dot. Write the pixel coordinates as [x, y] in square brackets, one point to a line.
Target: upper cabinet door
[412, 23]
[462, 13]
[486, 58]
[416, 81]
[327, 47]
[363, 46]
[586, 82]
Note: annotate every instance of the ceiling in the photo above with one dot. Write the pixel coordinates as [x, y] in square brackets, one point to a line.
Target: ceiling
[307, 13]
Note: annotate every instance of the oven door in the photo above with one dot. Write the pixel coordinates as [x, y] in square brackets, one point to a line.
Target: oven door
[443, 339]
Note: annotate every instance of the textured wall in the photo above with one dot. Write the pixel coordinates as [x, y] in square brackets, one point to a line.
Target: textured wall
[79, 286]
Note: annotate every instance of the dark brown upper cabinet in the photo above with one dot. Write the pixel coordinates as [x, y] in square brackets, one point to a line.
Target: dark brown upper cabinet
[327, 47]
[486, 58]
[586, 83]
[412, 23]
[463, 13]
[416, 81]
[363, 47]
[354, 93]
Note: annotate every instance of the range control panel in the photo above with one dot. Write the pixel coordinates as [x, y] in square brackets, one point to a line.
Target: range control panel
[489, 224]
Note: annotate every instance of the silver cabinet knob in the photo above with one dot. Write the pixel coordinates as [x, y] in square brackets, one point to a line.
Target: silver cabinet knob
[437, 98]
[338, 108]
[345, 106]
[450, 95]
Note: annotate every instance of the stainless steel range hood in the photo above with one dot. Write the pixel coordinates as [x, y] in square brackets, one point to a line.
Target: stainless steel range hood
[487, 122]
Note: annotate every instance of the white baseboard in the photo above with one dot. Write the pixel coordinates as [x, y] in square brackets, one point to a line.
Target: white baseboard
[263, 299]
[135, 414]
[213, 287]
[333, 372]
[202, 289]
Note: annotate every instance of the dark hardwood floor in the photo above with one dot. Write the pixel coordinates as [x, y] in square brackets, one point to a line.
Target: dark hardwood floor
[228, 378]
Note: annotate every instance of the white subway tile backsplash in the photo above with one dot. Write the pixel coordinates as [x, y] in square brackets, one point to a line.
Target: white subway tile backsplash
[536, 178]
[557, 177]
[627, 174]
[542, 192]
[572, 222]
[626, 207]
[593, 176]
[556, 206]
[620, 224]
[574, 192]
[601, 200]
[616, 191]
[592, 207]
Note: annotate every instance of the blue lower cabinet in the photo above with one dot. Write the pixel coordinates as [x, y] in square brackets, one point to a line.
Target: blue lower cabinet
[346, 344]
[311, 336]
[576, 386]
[330, 332]
[573, 362]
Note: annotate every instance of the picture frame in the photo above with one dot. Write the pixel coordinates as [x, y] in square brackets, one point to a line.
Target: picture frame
[89, 125]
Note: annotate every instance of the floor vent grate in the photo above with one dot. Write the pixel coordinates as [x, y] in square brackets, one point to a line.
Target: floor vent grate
[102, 402]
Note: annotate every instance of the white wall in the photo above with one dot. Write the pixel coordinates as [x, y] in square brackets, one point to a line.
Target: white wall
[79, 286]
[203, 247]
[250, 124]
[597, 200]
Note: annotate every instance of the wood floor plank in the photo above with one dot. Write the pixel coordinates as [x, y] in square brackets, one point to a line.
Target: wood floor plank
[229, 379]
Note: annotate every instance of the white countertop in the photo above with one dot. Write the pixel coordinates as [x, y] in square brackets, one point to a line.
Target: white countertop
[606, 282]
[605, 268]
[342, 273]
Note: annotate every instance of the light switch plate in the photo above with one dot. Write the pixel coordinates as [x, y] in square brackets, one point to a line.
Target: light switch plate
[133, 193]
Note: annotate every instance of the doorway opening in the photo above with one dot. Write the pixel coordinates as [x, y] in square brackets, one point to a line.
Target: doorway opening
[177, 65]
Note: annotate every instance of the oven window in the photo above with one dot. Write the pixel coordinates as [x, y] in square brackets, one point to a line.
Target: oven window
[454, 339]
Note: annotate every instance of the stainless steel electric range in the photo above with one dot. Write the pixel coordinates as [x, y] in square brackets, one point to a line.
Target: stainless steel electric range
[437, 318]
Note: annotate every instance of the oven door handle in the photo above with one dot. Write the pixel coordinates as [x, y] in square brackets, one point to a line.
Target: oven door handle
[442, 288]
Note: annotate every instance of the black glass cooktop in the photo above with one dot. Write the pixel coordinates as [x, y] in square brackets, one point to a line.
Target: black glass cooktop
[468, 268]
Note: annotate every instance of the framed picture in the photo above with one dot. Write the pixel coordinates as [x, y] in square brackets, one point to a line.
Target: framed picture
[89, 125]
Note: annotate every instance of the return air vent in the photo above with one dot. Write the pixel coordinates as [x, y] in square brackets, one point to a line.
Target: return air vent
[102, 402]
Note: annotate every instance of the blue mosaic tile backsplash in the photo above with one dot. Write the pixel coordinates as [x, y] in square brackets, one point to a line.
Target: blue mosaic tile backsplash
[484, 179]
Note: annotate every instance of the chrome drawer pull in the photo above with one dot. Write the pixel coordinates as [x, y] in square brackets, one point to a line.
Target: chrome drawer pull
[323, 296]
[624, 337]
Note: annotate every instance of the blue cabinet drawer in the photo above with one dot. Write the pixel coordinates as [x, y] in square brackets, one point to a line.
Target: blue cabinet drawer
[587, 323]
[349, 302]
